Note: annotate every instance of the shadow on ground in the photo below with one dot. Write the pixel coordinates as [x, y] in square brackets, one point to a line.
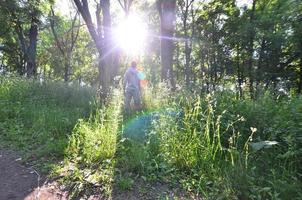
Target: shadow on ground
[130, 180]
[20, 182]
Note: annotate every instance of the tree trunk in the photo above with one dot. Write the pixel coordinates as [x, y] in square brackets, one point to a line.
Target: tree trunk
[103, 42]
[187, 51]
[29, 50]
[21, 64]
[107, 70]
[177, 72]
[188, 71]
[126, 5]
[239, 78]
[66, 71]
[300, 77]
[259, 68]
[167, 17]
[32, 49]
[202, 68]
[260, 61]
[251, 51]
[65, 45]
[83, 8]
[184, 8]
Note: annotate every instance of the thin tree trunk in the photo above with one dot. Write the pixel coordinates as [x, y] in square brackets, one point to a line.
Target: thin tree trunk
[126, 5]
[66, 71]
[85, 13]
[259, 68]
[209, 72]
[202, 68]
[300, 77]
[239, 78]
[184, 8]
[177, 62]
[23, 47]
[188, 70]
[251, 51]
[214, 59]
[187, 51]
[65, 46]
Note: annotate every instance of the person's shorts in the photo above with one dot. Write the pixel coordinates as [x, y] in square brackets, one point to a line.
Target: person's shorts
[133, 93]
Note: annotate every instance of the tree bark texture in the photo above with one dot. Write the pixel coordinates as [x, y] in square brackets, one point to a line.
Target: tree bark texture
[29, 49]
[101, 35]
[167, 18]
[32, 48]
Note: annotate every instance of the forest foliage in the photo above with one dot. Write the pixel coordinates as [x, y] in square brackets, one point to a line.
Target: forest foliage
[222, 109]
[253, 46]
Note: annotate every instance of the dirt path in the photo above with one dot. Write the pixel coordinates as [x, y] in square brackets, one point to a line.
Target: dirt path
[18, 182]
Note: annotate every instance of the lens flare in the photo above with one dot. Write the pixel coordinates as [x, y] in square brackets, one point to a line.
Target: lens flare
[130, 35]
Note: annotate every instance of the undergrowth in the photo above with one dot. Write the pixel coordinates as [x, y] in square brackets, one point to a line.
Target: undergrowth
[225, 148]
[212, 146]
[37, 118]
[89, 165]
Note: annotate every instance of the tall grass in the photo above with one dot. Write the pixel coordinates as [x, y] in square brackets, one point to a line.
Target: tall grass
[62, 130]
[90, 155]
[217, 149]
[214, 146]
[37, 118]
[156, 97]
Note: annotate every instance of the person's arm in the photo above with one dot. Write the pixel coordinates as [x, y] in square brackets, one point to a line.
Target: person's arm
[125, 81]
[139, 83]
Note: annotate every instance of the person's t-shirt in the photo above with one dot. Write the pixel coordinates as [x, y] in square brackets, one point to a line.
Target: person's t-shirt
[131, 79]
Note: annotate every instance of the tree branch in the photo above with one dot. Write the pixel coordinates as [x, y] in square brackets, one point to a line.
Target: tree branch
[84, 10]
[74, 37]
[52, 26]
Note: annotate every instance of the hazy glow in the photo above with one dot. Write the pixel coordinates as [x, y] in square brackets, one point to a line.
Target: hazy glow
[130, 35]
[64, 7]
[241, 3]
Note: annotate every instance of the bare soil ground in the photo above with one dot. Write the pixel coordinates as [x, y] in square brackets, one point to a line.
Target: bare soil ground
[20, 182]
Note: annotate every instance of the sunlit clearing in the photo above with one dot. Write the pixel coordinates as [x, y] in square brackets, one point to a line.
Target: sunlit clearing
[130, 35]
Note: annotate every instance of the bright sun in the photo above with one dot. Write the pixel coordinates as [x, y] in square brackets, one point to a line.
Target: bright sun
[130, 35]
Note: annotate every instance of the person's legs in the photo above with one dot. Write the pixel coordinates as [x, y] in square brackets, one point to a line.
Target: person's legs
[128, 97]
[137, 100]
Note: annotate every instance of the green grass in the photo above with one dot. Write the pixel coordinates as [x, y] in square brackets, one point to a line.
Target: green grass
[214, 146]
[211, 150]
[90, 155]
[37, 119]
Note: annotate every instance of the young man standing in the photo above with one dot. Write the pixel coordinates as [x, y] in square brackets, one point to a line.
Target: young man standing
[132, 88]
